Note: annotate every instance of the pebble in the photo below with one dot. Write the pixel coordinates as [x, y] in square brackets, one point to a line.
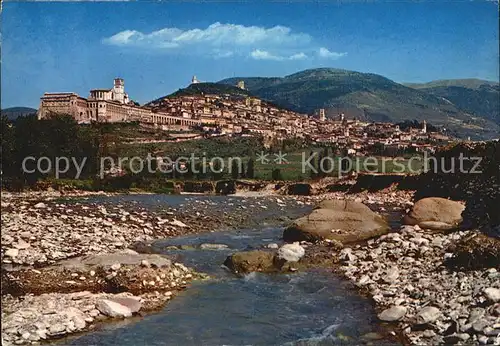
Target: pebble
[394, 313]
[428, 314]
[492, 294]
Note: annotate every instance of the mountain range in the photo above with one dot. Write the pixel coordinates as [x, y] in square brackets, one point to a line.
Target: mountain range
[466, 108]
[15, 112]
[475, 96]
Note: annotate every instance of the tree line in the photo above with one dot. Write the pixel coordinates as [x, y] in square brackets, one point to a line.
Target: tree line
[61, 136]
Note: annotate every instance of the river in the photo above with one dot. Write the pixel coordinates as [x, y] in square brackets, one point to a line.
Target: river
[309, 308]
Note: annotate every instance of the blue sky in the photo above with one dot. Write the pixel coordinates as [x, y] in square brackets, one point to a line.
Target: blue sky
[157, 46]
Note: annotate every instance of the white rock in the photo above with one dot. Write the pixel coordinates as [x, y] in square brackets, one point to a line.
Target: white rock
[347, 255]
[213, 246]
[394, 313]
[113, 309]
[21, 245]
[40, 205]
[116, 266]
[291, 252]
[428, 314]
[178, 223]
[12, 252]
[272, 246]
[365, 279]
[133, 303]
[56, 329]
[492, 294]
[392, 275]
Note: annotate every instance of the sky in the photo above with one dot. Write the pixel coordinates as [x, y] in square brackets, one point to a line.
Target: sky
[158, 46]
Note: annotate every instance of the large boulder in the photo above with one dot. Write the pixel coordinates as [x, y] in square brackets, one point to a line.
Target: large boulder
[287, 258]
[341, 220]
[435, 213]
[250, 261]
[344, 205]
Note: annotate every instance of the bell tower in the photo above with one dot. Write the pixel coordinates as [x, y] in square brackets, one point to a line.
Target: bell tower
[119, 90]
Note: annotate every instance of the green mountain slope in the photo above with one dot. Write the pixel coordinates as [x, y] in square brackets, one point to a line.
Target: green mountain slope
[206, 89]
[367, 95]
[470, 83]
[475, 96]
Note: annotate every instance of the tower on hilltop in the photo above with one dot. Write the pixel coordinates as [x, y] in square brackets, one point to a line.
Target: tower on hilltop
[118, 91]
[322, 115]
[424, 127]
[194, 80]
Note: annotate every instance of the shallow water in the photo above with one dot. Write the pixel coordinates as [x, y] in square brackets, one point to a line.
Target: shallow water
[311, 308]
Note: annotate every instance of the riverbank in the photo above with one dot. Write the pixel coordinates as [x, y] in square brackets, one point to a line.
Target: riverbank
[435, 286]
[42, 230]
[404, 271]
[406, 274]
[46, 296]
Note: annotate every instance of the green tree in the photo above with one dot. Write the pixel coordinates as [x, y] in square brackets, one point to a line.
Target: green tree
[217, 170]
[250, 169]
[314, 163]
[235, 173]
[7, 149]
[276, 174]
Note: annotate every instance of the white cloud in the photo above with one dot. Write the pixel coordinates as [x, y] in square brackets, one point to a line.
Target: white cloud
[264, 55]
[298, 56]
[215, 35]
[259, 54]
[278, 43]
[325, 53]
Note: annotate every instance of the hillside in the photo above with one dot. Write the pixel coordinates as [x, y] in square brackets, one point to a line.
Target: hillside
[366, 95]
[469, 83]
[206, 89]
[214, 89]
[475, 96]
[15, 112]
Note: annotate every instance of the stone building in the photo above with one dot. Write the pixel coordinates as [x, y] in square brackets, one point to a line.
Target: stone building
[64, 103]
[103, 105]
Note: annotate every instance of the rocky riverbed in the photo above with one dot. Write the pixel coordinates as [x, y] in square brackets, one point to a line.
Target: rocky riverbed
[41, 228]
[68, 264]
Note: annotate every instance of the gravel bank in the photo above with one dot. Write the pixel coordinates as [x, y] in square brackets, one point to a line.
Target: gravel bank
[405, 274]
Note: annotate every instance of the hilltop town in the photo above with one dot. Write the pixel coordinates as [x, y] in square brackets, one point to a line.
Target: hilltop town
[232, 111]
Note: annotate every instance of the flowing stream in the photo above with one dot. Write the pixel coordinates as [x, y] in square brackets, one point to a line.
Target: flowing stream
[309, 308]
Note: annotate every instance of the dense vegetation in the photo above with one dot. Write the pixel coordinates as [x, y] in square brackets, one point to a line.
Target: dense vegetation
[59, 136]
[90, 146]
[207, 89]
